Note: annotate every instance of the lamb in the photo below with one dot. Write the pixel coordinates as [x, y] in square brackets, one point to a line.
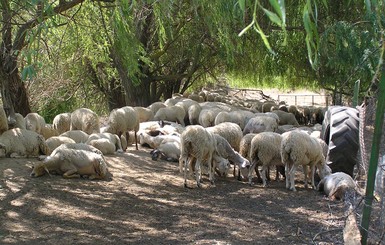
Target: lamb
[145, 114]
[22, 143]
[197, 144]
[73, 163]
[265, 150]
[109, 145]
[171, 113]
[56, 141]
[224, 150]
[123, 120]
[300, 149]
[34, 122]
[337, 185]
[260, 124]
[286, 118]
[3, 121]
[62, 122]
[78, 136]
[86, 120]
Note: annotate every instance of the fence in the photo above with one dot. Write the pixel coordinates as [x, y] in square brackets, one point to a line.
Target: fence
[306, 99]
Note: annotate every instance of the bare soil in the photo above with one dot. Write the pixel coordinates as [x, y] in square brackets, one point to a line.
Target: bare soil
[145, 203]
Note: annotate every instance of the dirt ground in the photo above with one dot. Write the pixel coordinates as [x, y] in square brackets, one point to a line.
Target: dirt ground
[145, 203]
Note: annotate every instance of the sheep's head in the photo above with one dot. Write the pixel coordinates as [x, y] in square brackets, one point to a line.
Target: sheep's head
[324, 170]
[39, 169]
[223, 166]
[3, 150]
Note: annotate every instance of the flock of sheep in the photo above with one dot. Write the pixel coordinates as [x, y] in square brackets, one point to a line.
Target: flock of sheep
[219, 133]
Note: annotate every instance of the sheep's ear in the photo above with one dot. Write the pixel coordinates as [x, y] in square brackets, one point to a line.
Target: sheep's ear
[46, 169]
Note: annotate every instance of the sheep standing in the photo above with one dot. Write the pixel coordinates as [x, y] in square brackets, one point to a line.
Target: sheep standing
[286, 118]
[86, 120]
[121, 121]
[154, 107]
[34, 122]
[62, 122]
[145, 114]
[171, 113]
[230, 131]
[265, 150]
[237, 117]
[260, 124]
[22, 143]
[207, 116]
[300, 149]
[197, 144]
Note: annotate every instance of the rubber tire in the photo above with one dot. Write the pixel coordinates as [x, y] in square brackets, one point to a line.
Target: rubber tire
[340, 130]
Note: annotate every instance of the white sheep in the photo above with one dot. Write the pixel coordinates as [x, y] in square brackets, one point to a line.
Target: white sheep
[73, 163]
[336, 185]
[3, 120]
[154, 107]
[286, 118]
[155, 141]
[193, 114]
[110, 145]
[260, 124]
[167, 150]
[22, 143]
[207, 116]
[56, 141]
[78, 136]
[244, 149]
[197, 143]
[238, 116]
[62, 122]
[224, 150]
[48, 131]
[86, 120]
[230, 131]
[265, 151]
[300, 149]
[171, 113]
[34, 122]
[104, 145]
[20, 121]
[121, 121]
[145, 114]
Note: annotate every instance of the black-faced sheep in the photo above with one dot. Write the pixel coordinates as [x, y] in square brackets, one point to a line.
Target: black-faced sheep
[22, 143]
[197, 144]
[86, 120]
[300, 149]
[72, 163]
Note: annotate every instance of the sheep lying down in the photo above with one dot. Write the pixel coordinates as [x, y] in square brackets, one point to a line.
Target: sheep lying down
[336, 185]
[73, 163]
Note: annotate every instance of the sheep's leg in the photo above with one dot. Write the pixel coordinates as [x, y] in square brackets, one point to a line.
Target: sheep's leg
[185, 171]
[251, 169]
[136, 140]
[70, 174]
[287, 173]
[211, 170]
[265, 169]
[292, 174]
[312, 171]
[306, 174]
[198, 173]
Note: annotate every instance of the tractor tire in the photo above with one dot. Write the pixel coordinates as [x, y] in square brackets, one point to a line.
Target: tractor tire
[340, 131]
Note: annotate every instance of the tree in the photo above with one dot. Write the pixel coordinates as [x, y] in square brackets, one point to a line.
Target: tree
[21, 23]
